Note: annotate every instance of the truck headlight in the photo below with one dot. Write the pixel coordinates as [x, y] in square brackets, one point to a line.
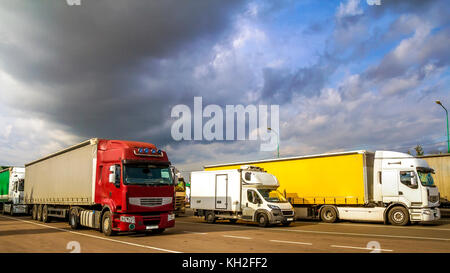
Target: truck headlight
[170, 217]
[273, 207]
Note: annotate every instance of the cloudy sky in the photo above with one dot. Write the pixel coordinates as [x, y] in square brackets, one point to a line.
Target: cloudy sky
[347, 75]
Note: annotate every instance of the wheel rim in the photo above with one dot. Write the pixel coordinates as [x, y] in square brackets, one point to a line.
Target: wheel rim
[328, 215]
[398, 216]
[106, 224]
[262, 220]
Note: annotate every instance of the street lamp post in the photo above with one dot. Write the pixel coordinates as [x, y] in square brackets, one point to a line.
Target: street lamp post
[278, 141]
[448, 137]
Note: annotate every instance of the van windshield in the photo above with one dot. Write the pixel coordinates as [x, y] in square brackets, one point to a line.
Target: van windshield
[147, 175]
[272, 196]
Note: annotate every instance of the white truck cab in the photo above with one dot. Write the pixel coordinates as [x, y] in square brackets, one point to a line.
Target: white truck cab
[248, 194]
[404, 179]
[15, 202]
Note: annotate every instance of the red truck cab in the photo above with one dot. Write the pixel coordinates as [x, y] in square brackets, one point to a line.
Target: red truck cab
[135, 187]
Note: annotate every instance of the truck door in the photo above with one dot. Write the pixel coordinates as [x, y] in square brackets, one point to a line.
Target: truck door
[221, 191]
[249, 203]
[408, 188]
[389, 185]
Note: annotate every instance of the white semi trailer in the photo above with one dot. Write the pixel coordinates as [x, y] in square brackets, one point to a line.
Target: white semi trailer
[248, 194]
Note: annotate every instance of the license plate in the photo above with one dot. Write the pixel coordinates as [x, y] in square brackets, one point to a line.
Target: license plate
[290, 219]
[151, 227]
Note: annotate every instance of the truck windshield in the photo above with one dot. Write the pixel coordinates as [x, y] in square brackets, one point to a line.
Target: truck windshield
[272, 196]
[426, 178]
[147, 175]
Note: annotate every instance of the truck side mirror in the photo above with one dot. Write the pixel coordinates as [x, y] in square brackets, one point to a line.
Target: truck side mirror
[413, 179]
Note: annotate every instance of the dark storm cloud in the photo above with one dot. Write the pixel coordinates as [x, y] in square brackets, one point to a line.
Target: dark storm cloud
[103, 64]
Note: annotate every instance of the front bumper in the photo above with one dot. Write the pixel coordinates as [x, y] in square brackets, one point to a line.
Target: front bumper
[123, 222]
[425, 214]
[279, 217]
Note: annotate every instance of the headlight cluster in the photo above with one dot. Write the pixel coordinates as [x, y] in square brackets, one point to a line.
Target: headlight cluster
[273, 207]
[170, 217]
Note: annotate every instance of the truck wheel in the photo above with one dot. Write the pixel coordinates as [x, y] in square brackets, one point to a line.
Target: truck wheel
[39, 213]
[11, 212]
[263, 220]
[398, 216]
[45, 214]
[107, 224]
[73, 219]
[210, 218]
[34, 212]
[328, 214]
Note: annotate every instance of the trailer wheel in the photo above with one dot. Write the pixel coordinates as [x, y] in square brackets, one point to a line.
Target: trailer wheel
[398, 216]
[39, 213]
[73, 219]
[45, 214]
[210, 217]
[107, 224]
[34, 212]
[328, 214]
[263, 220]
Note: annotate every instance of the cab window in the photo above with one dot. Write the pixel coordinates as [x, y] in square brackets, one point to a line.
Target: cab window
[407, 179]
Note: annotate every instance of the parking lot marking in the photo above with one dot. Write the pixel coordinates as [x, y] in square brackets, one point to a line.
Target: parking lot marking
[364, 248]
[365, 234]
[237, 237]
[383, 226]
[330, 232]
[192, 232]
[93, 236]
[290, 242]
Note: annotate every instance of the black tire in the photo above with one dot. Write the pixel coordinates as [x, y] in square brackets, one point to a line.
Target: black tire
[398, 216]
[286, 223]
[158, 231]
[233, 221]
[74, 221]
[34, 212]
[107, 224]
[263, 220]
[328, 214]
[11, 212]
[210, 217]
[39, 213]
[45, 214]
[3, 210]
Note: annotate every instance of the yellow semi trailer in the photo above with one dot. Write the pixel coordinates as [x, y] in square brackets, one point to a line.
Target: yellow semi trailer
[358, 185]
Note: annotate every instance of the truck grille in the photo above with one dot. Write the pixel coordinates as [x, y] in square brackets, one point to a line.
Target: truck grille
[149, 201]
[288, 212]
